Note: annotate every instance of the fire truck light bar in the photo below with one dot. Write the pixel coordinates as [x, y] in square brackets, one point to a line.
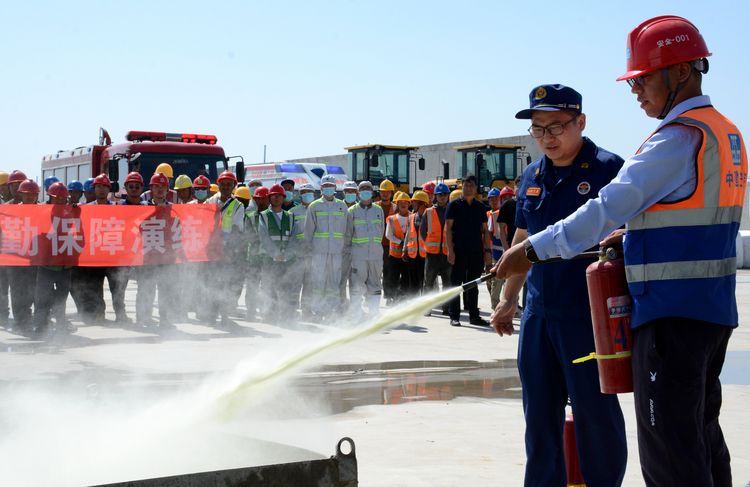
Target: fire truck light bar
[135, 135]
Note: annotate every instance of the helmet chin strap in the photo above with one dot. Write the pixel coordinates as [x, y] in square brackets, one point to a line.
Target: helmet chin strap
[672, 94]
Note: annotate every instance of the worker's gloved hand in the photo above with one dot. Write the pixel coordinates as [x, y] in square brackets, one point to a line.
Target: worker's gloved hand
[502, 317]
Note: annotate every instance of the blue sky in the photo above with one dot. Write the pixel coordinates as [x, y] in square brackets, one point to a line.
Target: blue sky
[309, 78]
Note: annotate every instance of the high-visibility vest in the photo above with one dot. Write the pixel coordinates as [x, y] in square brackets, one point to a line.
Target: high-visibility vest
[396, 249]
[435, 240]
[494, 227]
[227, 216]
[386, 213]
[279, 235]
[414, 242]
[680, 257]
[251, 225]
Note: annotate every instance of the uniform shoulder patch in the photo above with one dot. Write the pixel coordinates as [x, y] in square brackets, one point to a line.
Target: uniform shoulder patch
[533, 191]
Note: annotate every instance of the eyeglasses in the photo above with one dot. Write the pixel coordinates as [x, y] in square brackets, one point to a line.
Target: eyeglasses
[134, 186]
[555, 129]
[638, 80]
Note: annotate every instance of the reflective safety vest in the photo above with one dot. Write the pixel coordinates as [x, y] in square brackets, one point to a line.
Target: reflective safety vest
[497, 244]
[391, 209]
[251, 231]
[435, 240]
[280, 235]
[414, 242]
[680, 257]
[396, 249]
[227, 217]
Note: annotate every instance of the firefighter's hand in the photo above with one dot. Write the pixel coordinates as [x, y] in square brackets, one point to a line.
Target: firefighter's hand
[502, 317]
[512, 263]
[487, 258]
[451, 257]
[613, 238]
[280, 258]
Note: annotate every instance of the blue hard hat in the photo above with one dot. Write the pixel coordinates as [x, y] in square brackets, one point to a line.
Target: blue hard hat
[88, 185]
[493, 192]
[75, 185]
[49, 181]
[442, 188]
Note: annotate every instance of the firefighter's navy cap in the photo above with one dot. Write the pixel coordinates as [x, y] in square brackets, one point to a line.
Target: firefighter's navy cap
[552, 98]
[290, 181]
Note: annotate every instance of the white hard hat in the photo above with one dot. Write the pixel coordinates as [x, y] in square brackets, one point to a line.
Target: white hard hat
[350, 185]
[365, 184]
[328, 179]
[305, 187]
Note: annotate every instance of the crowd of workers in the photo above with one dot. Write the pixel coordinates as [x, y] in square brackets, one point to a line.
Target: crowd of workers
[321, 255]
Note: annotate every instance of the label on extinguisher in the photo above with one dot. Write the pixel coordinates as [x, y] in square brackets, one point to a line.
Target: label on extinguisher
[620, 308]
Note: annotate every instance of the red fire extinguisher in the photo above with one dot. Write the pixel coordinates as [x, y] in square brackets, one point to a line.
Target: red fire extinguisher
[611, 307]
[572, 466]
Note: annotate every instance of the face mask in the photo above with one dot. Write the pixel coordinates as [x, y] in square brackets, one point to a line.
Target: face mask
[308, 198]
[252, 190]
[350, 198]
[329, 191]
[289, 196]
[365, 195]
[201, 194]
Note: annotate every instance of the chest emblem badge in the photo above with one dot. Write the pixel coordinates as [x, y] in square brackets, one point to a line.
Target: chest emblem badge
[584, 188]
[533, 191]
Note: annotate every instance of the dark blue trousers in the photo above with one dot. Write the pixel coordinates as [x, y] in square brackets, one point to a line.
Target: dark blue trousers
[546, 351]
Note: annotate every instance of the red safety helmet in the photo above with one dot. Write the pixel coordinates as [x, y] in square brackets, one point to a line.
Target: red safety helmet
[102, 179]
[17, 177]
[160, 179]
[58, 189]
[134, 176]
[29, 186]
[201, 182]
[276, 189]
[429, 187]
[227, 175]
[662, 41]
[261, 192]
[507, 190]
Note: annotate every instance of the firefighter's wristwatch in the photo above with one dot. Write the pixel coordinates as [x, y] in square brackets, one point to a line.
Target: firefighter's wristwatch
[530, 252]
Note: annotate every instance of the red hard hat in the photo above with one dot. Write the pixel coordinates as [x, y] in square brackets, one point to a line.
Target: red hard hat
[159, 179]
[29, 186]
[102, 179]
[507, 190]
[134, 176]
[58, 189]
[662, 41]
[261, 192]
[201, 182]
[17, 177]
[227, 175]
[276, 189]
[428, 187]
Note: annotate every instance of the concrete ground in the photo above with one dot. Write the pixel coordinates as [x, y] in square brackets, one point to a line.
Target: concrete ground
[456, 417]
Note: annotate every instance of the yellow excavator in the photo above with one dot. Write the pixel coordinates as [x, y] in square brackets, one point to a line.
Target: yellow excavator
[494, 165]
[377, 162]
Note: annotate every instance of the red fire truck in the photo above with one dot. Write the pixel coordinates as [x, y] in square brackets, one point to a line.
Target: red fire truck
[190, 154]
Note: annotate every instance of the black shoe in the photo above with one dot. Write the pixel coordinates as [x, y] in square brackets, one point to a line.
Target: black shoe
[455, 323]
[479, 322]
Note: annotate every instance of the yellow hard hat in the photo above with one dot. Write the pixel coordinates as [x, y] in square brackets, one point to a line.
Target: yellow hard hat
[387, 186]
[455, 194]
[421, 196]
[214, 188]
[400, 196]
[183, 181]
[165, 169]
[4, 177]
[243, 192]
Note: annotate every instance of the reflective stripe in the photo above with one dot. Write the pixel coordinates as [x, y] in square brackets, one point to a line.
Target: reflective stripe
[357, 222]
[376, 221]
[338, 213]
[362, 240]
[497, 247]
[321, 235]
[378, 239]
[433, 244]
[686, 217]
[695, 269]
[711, 162]
[299, 217]
[300, 236]
[321, 213]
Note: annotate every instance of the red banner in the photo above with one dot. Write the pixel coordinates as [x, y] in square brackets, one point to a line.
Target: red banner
[108, 235]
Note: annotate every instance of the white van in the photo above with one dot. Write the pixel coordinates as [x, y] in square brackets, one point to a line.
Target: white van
[275, 173]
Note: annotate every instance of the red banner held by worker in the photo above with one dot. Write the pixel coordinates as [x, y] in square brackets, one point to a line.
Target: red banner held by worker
[108, 235]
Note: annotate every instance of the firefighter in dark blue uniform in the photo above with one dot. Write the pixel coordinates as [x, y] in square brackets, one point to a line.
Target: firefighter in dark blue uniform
[556, 324]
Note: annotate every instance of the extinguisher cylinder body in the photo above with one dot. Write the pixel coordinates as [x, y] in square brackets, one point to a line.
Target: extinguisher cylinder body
[572, 464]
[611, 307]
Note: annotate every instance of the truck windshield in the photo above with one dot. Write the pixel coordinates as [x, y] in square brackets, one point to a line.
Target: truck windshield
[498, 165]
[190, 164]
[391, 164]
